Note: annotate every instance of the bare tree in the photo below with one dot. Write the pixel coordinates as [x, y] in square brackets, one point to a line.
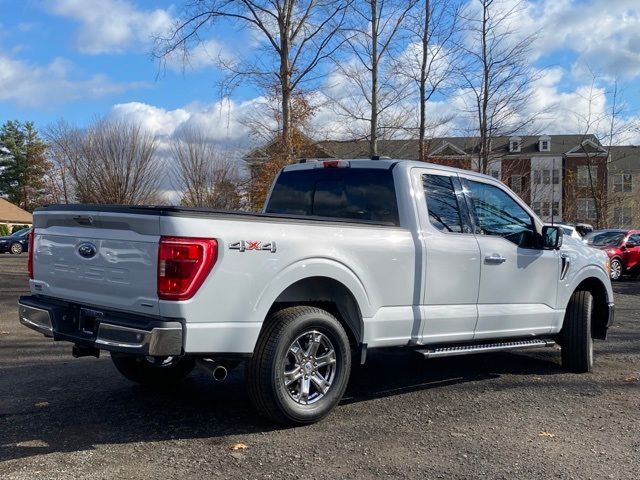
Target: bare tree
[608, 125]
[372, 45]
[206, 177]
[497, 71]
[431, 63]
[116, 163]
[298, 35]
[64, 150]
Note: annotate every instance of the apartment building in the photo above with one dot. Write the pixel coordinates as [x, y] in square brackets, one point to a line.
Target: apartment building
[624, 187]
[563, 178]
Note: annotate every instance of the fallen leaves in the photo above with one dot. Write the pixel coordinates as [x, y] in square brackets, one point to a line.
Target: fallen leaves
[42, 404]
[631, 380]
[239, 446]
[547, 434]
[4, 333]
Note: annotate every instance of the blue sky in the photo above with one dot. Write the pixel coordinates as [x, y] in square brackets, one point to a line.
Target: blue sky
[78, 59]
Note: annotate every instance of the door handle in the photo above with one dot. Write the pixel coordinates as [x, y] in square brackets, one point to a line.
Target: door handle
[495, 258]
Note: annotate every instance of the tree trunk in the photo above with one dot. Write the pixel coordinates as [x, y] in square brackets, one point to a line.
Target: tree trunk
[485, 139]
[285, 79]
[373, 145]
[422, 156]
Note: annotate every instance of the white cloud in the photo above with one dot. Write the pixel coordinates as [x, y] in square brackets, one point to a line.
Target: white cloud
[221, 121]
[204, 54]
[32, 85]
[111, 26]
[604, 34]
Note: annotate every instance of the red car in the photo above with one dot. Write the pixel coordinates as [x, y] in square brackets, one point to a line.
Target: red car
[623, 248]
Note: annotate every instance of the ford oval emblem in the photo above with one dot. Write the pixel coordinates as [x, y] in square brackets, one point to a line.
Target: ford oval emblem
[87, 250]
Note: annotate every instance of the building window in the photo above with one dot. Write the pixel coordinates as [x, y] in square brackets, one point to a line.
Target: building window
[556, 176]
[536, 207]
[544, 144]
[546, 208]
[587, 209]
[584, 179]
[516, 183]
[546, 176]
[622, 216]
[622, 182]
[556, 209]
[514, 144]
[495, 173]
[537, 177]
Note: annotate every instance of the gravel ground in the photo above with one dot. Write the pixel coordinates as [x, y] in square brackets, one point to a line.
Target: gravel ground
[502, 415]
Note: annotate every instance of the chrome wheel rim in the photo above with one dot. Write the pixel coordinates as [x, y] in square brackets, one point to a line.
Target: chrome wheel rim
[616, 269]
[309, 367]
[15, 248]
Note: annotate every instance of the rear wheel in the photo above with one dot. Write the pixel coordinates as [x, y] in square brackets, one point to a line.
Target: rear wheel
[16, 249]
[616, 269]
[156, 371]
[575, 337]
[301, 365]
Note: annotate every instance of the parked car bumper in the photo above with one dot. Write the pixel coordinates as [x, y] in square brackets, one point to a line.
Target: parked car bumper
[104, 330]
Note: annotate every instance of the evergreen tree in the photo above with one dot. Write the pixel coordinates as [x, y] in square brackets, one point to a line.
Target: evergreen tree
[24, 170]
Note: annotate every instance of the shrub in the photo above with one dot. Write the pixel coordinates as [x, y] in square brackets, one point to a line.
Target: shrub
[4, 229]
[15, 228]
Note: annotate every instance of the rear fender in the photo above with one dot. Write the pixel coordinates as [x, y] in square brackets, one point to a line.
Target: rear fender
[313, 267]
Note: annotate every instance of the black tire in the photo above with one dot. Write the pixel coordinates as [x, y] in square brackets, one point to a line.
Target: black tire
[16, 248]
[616, 270]
[155, 371]
[266, 369]
[575, 337]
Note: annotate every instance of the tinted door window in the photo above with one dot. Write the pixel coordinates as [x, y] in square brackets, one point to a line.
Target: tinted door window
[496, 213]
[635, 238]
[349, 193]
[442, 203]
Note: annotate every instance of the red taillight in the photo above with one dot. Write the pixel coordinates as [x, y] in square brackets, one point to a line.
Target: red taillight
[32, 235]
[183, 265]
[335, 164]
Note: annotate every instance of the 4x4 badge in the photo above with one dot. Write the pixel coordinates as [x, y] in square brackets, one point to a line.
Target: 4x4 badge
[244, 245]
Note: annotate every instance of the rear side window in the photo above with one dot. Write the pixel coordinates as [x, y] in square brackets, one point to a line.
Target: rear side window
[349, 193]
[442, 203]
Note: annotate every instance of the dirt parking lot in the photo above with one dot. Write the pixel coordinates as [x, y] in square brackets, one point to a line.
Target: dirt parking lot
[492, 416]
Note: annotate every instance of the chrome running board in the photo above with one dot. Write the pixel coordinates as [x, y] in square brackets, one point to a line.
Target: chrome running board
[485, 347]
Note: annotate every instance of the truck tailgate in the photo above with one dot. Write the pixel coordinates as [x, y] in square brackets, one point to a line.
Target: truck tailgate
[103, 259]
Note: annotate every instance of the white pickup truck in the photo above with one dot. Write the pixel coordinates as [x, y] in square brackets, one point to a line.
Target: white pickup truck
[348, 255]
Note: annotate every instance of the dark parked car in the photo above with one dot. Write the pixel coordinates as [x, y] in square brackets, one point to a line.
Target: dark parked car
[623, 248]
[17, 242]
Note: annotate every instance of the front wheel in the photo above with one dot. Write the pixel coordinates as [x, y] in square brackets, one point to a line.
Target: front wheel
[575, 337]
[301, 365]
[157, 371]
[16, 249]
[616, 269]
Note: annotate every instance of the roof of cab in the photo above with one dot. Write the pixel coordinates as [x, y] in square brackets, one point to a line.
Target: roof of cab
[385, 163]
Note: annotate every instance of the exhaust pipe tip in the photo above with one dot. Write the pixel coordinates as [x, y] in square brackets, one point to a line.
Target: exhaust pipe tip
[219, 373]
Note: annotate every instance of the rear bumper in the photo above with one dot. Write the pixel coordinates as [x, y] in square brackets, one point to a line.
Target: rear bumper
[102, 329]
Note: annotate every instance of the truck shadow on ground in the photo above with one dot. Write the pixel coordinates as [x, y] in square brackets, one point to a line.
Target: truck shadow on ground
[76, 406]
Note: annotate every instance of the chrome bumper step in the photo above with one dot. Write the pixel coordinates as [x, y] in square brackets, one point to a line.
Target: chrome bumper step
[486, 347]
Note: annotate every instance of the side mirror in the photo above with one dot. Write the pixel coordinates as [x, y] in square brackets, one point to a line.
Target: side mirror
[551, 237]
[631, 244]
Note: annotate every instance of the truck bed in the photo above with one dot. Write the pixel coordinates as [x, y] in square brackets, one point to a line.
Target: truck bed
[178, 211]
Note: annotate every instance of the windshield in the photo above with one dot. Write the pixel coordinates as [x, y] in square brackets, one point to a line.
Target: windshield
[19, 233]
[605, 239]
